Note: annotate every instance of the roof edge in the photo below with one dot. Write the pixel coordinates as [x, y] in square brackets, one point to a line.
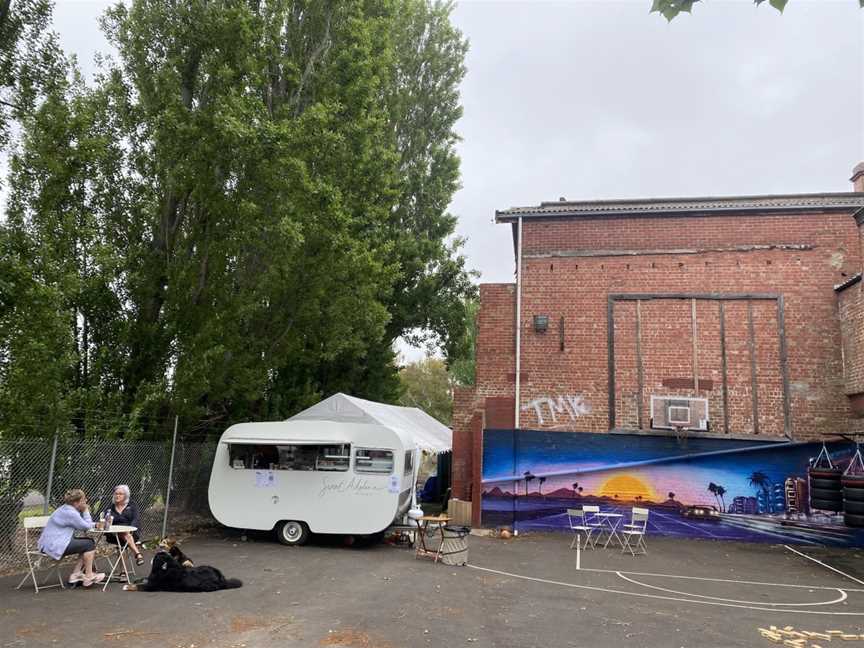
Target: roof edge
[840, 201]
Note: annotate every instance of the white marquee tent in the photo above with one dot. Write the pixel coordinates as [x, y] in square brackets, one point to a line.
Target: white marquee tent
[429, 434]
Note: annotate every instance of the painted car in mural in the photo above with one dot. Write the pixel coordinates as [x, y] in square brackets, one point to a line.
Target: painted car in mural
[759, 490]
[701, 513]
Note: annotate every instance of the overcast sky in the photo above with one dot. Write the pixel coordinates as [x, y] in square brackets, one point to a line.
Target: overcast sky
[592, 100]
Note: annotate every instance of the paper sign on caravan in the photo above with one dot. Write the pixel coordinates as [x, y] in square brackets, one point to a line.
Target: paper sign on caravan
[265, 479]
[393, 485]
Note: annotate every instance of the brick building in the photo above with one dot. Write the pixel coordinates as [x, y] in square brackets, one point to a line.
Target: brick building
[732, 317]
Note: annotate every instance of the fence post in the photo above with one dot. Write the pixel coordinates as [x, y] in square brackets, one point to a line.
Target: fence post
[50, 474]
[170, 476]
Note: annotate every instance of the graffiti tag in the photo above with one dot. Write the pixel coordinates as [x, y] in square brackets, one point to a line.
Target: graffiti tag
[572, 405]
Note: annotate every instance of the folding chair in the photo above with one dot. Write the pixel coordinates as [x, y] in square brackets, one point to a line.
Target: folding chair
[592, 520]
[635, 532]
[578, 525]
[35, 557]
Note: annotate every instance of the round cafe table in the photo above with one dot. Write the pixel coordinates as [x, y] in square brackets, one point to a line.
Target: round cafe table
[609, 524]
[116, 530]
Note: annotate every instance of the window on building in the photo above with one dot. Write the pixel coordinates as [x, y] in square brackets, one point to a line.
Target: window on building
[335, 457]
[368, 460]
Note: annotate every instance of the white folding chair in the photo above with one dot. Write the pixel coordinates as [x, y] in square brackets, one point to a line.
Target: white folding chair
[593, 520]
[634, 532]
[35, 557]
[579, 526]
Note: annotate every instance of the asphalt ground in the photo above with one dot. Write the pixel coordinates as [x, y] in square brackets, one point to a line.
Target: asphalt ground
[522, 592]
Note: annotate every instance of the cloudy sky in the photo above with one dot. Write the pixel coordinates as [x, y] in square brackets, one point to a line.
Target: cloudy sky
[592, 100]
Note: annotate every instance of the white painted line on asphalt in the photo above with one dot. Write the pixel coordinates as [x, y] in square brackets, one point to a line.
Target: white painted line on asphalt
[718, 580]
[662, 598]
[824, 564]
[843, 596]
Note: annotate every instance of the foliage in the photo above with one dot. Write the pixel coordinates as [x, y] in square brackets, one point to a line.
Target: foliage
[671, 8]
[31, 63]
[238, 217]
[426, 385]
[463, 362]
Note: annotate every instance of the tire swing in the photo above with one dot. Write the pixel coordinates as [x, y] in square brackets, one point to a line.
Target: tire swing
[825, 487]
[853, 491]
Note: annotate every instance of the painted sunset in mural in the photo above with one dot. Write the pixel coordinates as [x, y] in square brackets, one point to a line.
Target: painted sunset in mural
[757, 491]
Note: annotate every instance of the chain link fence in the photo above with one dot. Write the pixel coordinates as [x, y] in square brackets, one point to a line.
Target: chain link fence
[34, 475]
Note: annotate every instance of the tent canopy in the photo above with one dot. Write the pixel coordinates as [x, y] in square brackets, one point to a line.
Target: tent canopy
[428, 433]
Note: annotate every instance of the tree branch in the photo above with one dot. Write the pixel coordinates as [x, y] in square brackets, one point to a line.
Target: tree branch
[318, 53]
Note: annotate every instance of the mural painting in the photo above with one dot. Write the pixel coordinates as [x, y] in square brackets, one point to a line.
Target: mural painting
[757, 491]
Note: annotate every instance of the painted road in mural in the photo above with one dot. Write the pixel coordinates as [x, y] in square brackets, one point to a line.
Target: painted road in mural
[759, 491]
[550, 515]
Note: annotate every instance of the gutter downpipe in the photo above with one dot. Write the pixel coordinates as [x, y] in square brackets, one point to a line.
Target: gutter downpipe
[518, 321]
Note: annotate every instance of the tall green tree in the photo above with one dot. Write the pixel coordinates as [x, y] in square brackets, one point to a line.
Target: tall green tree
[422, 97]
[243, 211]
[426, 385]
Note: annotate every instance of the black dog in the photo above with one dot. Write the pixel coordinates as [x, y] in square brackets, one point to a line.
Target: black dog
[168, 575]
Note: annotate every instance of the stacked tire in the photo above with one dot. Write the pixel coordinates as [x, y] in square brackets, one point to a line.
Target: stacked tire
[853, 500]
[826, 489]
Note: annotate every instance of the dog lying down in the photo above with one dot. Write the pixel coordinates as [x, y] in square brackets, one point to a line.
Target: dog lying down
[168, 575]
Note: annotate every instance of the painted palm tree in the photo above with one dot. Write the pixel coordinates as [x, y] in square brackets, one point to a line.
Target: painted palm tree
[712, 488]
[540, 482]
[528, 478]
[721, 491]
[760, 481]
[575, 487]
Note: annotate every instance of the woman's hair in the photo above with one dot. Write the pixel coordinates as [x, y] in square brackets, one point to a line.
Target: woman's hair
[125, 490]
[73, 496]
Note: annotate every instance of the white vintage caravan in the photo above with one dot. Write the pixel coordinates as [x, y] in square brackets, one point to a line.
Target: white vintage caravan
[343, 466]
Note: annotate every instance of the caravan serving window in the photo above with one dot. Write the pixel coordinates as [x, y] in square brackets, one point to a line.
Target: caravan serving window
[289, 457]
[379, 462]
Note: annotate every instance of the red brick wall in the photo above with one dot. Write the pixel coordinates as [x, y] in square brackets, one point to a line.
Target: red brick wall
[496, 340]
[707, 254]
[464, 406]
[851, 305]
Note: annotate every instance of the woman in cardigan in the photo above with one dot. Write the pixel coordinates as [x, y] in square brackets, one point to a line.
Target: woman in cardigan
[57, 539]
[123, 511]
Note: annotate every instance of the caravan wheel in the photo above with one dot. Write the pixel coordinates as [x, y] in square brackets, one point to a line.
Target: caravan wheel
[292, 533]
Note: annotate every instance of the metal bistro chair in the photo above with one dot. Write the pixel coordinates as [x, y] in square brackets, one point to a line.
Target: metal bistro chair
[35, 557]
[634, 532]
[579, 524]
[593, 520]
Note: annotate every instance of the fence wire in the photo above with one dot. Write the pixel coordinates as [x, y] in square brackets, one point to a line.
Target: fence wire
[97, 467]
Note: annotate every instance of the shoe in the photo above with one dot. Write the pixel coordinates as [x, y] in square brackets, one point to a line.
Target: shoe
[97, 578]
[76, 577]
[139, 559]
